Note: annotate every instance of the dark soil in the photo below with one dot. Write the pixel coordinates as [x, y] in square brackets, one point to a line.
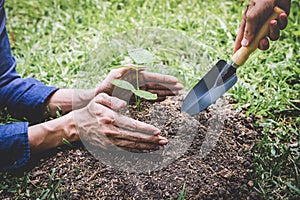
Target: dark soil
[213, 161]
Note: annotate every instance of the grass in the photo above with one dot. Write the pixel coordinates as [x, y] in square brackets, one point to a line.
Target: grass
[22, 188]
[53, 39]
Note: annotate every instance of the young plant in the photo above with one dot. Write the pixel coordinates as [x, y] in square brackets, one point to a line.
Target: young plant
[139, 57]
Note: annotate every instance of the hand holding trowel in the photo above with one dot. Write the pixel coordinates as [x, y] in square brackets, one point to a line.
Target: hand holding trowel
[222, 76]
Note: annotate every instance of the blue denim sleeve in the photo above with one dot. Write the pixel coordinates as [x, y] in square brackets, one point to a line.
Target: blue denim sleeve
[14, 145]
[23, 98]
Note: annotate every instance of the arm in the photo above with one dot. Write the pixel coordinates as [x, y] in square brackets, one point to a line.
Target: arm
[256, 13]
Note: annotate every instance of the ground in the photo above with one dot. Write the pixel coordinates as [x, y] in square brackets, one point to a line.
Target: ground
[215, 165]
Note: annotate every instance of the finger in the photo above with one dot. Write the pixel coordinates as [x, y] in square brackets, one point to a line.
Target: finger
[159, 99]
[134, 125]
[257, 13]
[111, 102]
[107, 120]
[118, 73]
[159, 78]
[264, 44]
[249, 31]
[164, 93]
[274, 31]
[143, 150]
[161, 90]
[137, 147]
[162, 86]
[129, 75]
[250, 24]
[135, 136]
[283, 21]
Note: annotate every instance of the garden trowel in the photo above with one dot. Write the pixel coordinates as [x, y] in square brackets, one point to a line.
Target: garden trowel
[223, 75]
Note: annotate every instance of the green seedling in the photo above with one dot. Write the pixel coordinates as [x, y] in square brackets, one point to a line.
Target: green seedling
[139, 57]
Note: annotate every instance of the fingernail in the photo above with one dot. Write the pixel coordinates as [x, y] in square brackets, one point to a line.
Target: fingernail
[157, 133]
[163, 142]
[274, 22]
[121, 104]
[180, 86]
[244, 42]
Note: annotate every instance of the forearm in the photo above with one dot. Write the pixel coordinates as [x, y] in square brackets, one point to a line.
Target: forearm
[50, 134]
[65, 100]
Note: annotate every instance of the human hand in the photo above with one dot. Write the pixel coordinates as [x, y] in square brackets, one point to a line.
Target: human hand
[255, 15]
[99, 125]
[162, 85]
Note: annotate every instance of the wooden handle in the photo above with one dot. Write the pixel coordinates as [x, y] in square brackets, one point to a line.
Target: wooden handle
[241, 55]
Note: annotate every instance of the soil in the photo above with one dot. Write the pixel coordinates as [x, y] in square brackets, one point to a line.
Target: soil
[209, 153]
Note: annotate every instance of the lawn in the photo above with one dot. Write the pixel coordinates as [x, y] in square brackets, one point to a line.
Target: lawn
[52, 41]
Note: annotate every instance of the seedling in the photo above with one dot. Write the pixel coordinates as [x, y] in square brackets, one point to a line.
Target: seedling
[139, 57]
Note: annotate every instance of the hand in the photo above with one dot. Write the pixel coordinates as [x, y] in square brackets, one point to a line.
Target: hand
[99, 125]
[255, 15]
[162, 85]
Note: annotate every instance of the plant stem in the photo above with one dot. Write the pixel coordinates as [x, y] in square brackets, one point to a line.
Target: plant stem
[137, 98]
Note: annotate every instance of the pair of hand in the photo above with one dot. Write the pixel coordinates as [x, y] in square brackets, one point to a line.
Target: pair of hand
[255, 15]
[101, 125]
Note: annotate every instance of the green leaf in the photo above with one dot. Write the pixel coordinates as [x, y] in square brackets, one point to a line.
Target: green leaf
[123, 84]
[141, 56]
[145, 94]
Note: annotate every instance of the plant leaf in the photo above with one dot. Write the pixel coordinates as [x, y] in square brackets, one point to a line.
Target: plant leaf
[141, 56]
[145, 94]
[123, 84]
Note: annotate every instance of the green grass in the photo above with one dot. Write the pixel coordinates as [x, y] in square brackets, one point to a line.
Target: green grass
[24, 188]
[53, 39]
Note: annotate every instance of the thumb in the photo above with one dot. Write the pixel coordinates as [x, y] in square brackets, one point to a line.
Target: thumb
[249, 33]
[240, 35]
[110, 102]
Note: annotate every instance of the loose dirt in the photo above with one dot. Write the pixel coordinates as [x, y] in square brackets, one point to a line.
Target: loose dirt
[209, 153]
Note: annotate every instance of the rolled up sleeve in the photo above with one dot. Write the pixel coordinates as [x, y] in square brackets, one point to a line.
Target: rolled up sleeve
[14, 145]
[22, 98]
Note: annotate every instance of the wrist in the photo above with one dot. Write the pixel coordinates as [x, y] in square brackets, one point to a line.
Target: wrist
[99, 89]
[81, 98]
[69, 132]
[50, 134]
[65, 128]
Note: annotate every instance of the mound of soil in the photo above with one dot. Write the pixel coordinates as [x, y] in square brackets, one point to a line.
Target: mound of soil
[210, 153]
